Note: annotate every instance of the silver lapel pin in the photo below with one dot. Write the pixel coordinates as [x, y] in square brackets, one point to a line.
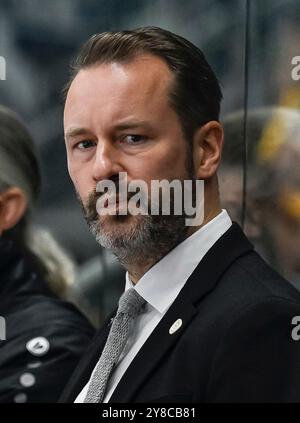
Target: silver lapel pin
[176, 325]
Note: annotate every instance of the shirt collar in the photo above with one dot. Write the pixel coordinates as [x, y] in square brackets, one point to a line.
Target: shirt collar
[161, 284]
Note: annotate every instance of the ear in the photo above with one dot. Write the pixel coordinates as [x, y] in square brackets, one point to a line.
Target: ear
[207, 148]
[13, 204]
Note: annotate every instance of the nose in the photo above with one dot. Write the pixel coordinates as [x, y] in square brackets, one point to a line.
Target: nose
[106, 162]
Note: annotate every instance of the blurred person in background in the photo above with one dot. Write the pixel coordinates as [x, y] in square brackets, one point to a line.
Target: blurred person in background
[45, 336]
[273, 183]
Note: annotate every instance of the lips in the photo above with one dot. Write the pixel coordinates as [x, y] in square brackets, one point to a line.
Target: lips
[111, 201]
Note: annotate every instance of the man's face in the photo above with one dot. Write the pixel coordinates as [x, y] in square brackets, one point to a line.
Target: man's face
[118, 119]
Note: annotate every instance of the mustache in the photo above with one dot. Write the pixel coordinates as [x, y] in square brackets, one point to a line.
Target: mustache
[90, 207]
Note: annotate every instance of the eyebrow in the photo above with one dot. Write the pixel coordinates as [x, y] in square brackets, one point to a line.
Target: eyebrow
[74, 132]
[132, 124]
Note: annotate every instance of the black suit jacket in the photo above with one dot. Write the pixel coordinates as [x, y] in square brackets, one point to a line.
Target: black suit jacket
[235, 342]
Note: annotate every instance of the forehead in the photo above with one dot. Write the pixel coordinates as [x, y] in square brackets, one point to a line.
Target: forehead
[118, 90]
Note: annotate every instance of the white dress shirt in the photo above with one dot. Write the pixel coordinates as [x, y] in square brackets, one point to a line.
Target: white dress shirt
[159, 286]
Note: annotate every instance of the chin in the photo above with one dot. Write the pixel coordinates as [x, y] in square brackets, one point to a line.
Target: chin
[118, 226]
[106, 220]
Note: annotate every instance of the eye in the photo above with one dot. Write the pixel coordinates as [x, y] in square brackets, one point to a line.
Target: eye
[84, 145]
[133, 139]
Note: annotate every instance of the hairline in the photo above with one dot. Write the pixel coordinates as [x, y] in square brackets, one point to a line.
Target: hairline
[127, 60]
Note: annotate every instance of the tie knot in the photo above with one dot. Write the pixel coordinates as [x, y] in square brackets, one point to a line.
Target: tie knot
[130, 303]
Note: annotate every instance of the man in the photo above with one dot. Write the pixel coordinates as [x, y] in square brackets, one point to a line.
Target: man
[216, 324]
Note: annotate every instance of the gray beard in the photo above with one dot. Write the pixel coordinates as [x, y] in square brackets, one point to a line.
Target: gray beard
[147, 239]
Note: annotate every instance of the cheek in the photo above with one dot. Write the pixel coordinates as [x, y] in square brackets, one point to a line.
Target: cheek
[80, 181]
[73, 173]
[70, 169]
[170, 166]
[165, 162]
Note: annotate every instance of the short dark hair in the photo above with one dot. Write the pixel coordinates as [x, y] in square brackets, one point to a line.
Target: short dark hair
[196, 93]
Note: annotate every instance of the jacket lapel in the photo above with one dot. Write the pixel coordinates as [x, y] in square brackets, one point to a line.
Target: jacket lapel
[83, 371]
[227, 249]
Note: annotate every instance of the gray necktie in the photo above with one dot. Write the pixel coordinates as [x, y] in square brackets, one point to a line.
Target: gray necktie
[130, 305]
